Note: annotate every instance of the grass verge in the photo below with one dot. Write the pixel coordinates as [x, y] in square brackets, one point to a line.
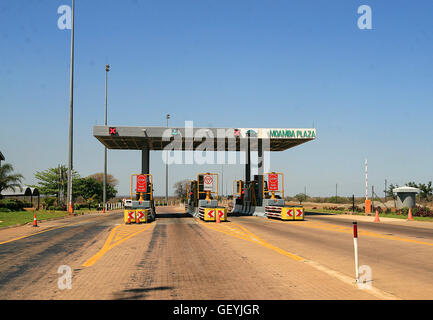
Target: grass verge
[23, 217]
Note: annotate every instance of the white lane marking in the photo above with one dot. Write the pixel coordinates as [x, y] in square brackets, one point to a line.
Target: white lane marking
[373, 291]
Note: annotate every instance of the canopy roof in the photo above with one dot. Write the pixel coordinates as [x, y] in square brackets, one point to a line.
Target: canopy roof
[222, 139]
[26, 191]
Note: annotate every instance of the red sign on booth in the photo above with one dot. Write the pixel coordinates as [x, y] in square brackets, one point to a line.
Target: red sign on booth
[273, 182]
[142, 183]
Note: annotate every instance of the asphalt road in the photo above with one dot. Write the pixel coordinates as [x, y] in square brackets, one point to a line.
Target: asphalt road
[23, 261]
[179, 257]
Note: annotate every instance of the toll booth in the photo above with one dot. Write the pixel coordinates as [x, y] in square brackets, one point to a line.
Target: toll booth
[264, 196]
[190, 138]
[247, 195]
[141, 207]
[202, 198]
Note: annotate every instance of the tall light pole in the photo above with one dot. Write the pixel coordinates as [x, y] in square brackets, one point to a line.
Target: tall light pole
[71, 117]
[222, 181]
[166, 169]
[104, 193]
[336, 197]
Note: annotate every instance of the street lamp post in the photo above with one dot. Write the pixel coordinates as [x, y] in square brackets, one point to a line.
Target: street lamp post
[166, 169]
[104, 193]
[71, 117]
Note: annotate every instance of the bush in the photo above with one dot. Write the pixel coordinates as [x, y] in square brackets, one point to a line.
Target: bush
[422, 212]
[12, 204]
[334, 208]
[356, 209]
[49, 202]
[339, 200]
[404, 211]
[379, 209]
[5, 210]
[418, 211]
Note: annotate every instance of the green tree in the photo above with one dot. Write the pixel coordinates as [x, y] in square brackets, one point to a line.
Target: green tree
[425, 189]
[390, 193]
[180, 189]
[112, 181]
[91, 189]
[301, 197]
[54, 181]
[8, 179]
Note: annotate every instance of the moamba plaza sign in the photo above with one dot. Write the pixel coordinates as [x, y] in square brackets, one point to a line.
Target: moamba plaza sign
[293, 133]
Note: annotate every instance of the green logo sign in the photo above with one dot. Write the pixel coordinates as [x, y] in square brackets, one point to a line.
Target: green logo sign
[292, 133]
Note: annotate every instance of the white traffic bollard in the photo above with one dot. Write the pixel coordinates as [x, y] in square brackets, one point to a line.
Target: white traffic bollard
[355, 245]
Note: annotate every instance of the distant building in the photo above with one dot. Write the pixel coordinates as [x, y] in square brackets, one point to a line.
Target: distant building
[2, 158]
[25, 193]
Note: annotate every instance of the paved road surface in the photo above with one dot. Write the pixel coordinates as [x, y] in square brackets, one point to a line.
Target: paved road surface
[179, 257]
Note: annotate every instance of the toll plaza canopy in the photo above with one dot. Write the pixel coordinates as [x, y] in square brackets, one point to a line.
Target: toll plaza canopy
[222, 139]
[192, 138]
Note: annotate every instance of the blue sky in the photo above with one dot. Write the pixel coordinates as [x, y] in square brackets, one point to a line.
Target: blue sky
[237, 63]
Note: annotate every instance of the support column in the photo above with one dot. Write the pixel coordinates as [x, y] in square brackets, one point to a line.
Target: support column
[145, 159]
[260, 157]
[260, 172]
[248, 161]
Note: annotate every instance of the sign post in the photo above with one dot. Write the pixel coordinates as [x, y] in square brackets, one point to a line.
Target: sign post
[355, 245]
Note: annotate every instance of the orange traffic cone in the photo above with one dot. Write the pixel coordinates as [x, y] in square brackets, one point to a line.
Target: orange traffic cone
[409, 217]
[35, 221]
[376, 219]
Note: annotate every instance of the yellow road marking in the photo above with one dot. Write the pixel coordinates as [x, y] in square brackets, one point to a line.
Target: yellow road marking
[43, 231]
[126, 232]
[241, 232]
[238, 231]
[336, 228]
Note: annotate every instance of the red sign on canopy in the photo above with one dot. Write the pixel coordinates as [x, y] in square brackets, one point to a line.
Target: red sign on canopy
[142, 183]
[273, 182]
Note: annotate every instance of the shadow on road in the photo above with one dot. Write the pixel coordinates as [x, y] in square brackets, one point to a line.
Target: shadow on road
[139, 293]
[318, 214]
[172, 215]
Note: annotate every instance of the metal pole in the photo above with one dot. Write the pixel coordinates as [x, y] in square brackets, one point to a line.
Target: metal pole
[336, 201]
[71, 117]
[222, 181]
[104, 192]
[366, 179]
[355, 245]
[248, 160]
[166, 170]
[385, 189]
